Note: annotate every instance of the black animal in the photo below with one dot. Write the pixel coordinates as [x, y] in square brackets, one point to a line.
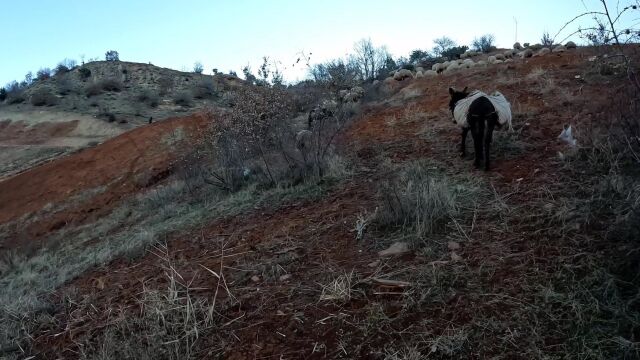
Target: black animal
[150, 119]
[482, 119]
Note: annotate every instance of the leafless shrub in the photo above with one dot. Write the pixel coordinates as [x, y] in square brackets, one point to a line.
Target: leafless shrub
[149, 97]
[43, 97]
[256, 142]
[183, 98]
[421, 201]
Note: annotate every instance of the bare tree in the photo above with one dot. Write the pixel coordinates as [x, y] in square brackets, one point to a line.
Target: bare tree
[606, 30]
[442, 45]
[368, 58]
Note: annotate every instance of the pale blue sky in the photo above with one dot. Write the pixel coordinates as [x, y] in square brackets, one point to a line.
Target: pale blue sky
[230, 34]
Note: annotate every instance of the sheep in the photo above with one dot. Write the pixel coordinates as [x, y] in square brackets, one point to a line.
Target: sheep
[498, 61]
[419, 74]
[452, 67]
[509, 53]
[525, 45]
[430, 73]
[491, 59]
[464, 55]
[559, 48]
[570, 45]
[527, 53]
[500, 57]
[402, 74]
[517, 46]
[392, 73]
[536, 47]
[542, 52]
[376, 82]
[481, 63]
[438, 67]
[468, 64]
[419, 69]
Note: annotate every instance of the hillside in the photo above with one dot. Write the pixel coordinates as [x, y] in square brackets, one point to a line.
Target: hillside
[116, 251]
[95, 102]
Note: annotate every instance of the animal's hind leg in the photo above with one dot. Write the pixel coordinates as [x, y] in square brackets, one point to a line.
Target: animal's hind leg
[487, 142]
[477, 130]
[463, 145]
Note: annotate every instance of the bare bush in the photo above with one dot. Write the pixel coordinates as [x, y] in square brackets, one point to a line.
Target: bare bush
[206, 89]
[149, 97]
[43, 74]
[112, 55]
[113, 85]
[485, 43]
[43, 97]
[256, 142]
[421, 202]
[183, 98]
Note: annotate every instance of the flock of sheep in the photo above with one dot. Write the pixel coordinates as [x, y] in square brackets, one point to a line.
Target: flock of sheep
[466, 60]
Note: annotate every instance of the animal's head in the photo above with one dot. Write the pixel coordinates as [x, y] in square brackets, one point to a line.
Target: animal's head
[456, 96]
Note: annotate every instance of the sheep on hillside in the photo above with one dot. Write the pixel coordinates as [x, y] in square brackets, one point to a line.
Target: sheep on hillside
[527, 53]
[570, 45]
[419, 74]
[430, 73]
[500, 57]
[517, 46]
[438, 67]
[559, 48]
[542, 52]
[402, 74]
[481, 63]
[491, 59]
[536, 47]
[452, 67]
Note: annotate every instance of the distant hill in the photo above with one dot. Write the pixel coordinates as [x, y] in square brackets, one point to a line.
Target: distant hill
[125, 92]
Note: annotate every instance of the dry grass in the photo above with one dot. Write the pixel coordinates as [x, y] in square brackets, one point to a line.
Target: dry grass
[340, 289]
[421, 201]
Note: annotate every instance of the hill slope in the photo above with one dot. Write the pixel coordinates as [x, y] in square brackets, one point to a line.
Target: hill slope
[531, 260]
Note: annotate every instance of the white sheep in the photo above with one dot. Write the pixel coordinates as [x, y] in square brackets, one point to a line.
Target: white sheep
[481, 63]
[491, 59]
[517, 46]
[498, 61]
[509, 53]
[419, 69]
[468, 64]
[430, 73]
[438, 67]
[500, 57]
[452, 67]
[542, 52]
[402, 74]
[559, 48]
[536, 47]
[419, 74]
[526, 53]
[570, 45]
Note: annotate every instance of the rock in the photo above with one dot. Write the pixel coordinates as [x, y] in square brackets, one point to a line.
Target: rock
[452, 245]
[397, 248]
[255, 278]
[285, 277]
